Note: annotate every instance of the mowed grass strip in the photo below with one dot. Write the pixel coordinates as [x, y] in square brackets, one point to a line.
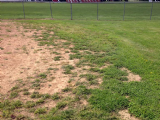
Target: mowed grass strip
[83, 11]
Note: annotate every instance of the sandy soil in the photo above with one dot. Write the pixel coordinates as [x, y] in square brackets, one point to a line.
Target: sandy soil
[124, 115]
[131, 76]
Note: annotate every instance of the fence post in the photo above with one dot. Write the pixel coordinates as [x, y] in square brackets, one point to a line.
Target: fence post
[51, 10]
[23, 9]
[71, 10]
[124, 10]
[151, 11]
[97, 10]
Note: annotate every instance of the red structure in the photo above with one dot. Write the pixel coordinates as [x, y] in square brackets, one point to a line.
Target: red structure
[82, 1]
[55, 0]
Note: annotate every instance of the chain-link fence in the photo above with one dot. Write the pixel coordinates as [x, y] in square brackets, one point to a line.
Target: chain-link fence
[81, 11]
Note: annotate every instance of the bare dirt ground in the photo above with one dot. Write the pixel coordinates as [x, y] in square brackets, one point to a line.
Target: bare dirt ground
[21, 57]
[125, 115]
[22, 60]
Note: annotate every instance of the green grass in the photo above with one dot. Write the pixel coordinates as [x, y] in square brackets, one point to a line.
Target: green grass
[130, 44]
[106, 11]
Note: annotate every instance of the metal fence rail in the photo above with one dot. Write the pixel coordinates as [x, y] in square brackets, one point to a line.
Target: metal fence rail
[81, 11]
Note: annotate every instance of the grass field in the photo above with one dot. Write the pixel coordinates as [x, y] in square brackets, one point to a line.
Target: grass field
[105, 51]
[107, 11]
[129, 44]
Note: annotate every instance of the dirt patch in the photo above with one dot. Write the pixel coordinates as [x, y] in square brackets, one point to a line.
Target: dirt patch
[21, 57]
[131, 76]
[124, 115]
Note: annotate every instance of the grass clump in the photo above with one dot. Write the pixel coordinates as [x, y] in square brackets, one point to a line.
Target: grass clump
[56, 53]
[36, 85]
[40, 111]
[93, 82]
[13, 95]
[17, 104]
[42, 75]
[67, 89]
[20, 117]
[89, 77]
[55, 96]
[15, 88]
[10, 105]
[66, 51]
[7, 106]
[113, 72]
[32, 110]
[30, 104]
[57, 58]
[26, 93]
[67, 69]
[51, 68]
[36, 95]
[46, 96]
[75, 56]
[1, 48]
[40, 101]
[25, 89]
[81, 91]
[91, 112]
[61, 105]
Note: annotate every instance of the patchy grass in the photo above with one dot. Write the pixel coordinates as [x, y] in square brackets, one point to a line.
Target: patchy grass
[96, 43]
[121, 46]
